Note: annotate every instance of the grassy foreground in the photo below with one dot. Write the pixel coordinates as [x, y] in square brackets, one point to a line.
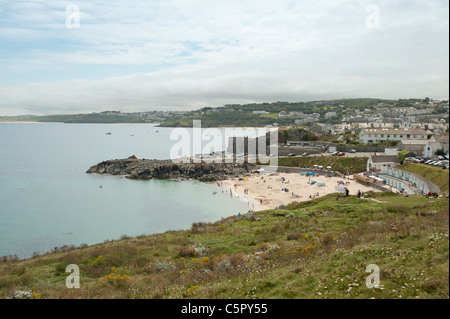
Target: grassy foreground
[313, 249]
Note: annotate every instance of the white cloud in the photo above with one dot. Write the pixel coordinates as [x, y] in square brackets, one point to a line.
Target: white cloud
[216, 52]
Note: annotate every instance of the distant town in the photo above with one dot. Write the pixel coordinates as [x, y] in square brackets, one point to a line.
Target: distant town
[417, 125]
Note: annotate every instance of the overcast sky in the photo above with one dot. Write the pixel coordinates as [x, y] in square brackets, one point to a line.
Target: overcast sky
[185, 54]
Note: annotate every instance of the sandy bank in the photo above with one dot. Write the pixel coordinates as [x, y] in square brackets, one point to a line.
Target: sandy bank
[265, 191]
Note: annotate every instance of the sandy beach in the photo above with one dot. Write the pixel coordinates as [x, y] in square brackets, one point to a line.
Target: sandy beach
[268, 191]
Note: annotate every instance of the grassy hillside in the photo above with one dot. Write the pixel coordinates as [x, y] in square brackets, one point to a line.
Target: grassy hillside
[338, 164]
[314, 249]
[434, 174]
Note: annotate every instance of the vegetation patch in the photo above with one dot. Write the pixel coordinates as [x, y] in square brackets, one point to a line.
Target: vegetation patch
[316, 249]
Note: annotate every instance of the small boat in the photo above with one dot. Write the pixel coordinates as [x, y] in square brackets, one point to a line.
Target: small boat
[109, 133]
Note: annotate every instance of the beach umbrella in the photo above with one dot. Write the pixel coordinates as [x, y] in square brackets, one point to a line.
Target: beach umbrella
[320, 166]
[315, 165]
[328, 166]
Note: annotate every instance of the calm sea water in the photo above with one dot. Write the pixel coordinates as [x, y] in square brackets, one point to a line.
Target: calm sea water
[47, 200]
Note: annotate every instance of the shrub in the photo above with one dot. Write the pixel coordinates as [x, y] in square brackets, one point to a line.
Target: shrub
[327, 240]
[165, 265]
[193, 251]
[294, 236]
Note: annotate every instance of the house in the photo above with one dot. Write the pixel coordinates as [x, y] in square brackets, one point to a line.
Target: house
[377, 162]
[319, 128]
[374, 135]
[443, 140]
[414, 146]
[330, 114]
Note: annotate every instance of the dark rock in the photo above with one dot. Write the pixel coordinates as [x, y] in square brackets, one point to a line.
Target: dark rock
[134, 168]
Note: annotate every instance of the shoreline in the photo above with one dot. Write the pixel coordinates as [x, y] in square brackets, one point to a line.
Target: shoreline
[227, 187]
[266, 190]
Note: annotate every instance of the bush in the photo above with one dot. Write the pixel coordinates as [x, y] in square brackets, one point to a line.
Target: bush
[193, 251]
[327, 240]
[294, 236]
[164, 265]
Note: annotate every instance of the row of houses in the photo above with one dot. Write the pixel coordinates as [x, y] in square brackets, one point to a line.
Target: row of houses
[374, 135]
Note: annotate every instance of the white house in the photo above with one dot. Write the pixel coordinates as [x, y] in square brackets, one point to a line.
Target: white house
[374, 135]
[377, 162]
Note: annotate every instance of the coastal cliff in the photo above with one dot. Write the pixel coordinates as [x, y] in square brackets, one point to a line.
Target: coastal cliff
[142, 169]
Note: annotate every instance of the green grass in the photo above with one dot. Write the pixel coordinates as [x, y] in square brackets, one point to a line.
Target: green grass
[434, 174]
[271, 116]
[314, 249]
[338, 164]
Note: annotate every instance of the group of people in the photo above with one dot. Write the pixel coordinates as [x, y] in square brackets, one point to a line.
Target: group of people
[436, 195]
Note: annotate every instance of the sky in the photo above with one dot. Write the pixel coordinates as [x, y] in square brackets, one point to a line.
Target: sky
[82, 56]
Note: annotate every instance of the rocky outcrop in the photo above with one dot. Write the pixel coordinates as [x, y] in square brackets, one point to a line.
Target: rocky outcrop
[134, 168]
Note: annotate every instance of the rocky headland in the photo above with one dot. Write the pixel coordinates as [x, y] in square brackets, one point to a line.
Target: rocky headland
[142, 169]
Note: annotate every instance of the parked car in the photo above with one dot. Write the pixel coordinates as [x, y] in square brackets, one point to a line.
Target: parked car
[292, 154]
[305, 154]
[352, 151]
[340, 154]
[334, 153]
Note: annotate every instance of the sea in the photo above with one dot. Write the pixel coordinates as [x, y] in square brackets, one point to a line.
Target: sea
[48, 200]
